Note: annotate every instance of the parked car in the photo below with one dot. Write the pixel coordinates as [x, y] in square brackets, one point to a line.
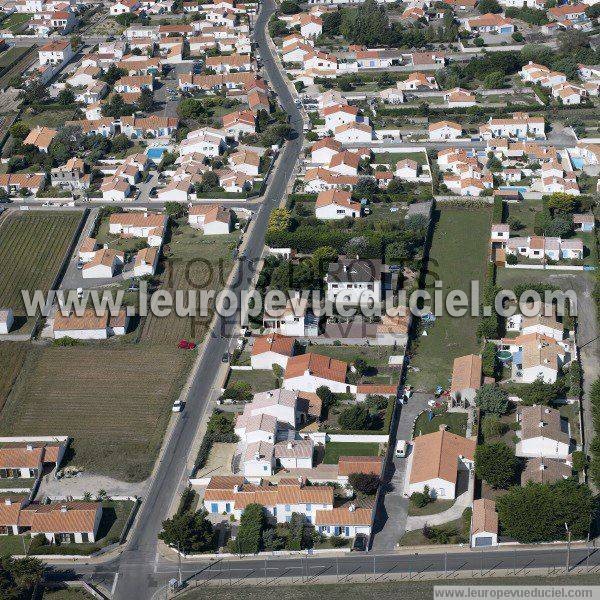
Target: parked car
[178, 406]
[80, 293]
[360, 543]
[79, 264]
[401, 448]
[225, 358]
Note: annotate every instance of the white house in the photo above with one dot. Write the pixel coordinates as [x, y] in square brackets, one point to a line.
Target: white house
[308, 372]
[146, 261]
[89, 326]
[56, 53]
[103, 265]
[294, 454]
[213, 219]
[353, 133]
[140, 225]
[207, 141]
[435, 461]
[407, 169]
[67, 522]
[444, 130]
[543, 433]
[347, 521]
[322, 151]
[336, 204]
[259, 459]
[271, 349]
[354, 281]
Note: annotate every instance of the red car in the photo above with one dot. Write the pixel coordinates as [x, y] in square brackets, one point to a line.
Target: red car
[185, 345]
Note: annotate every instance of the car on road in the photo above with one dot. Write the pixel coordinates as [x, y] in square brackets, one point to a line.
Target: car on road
[360, 543]
[401, 448]
[225, 358]
[80, 293]
[79, 264]
[178, 406]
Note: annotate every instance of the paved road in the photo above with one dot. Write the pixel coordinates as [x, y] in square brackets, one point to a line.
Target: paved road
[136, 565]
[392, 511]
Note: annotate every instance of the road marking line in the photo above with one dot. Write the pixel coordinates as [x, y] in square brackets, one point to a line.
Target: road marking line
[114, 585]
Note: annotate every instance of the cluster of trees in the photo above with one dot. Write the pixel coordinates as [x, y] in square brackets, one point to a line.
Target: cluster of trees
[369, 24]
[19, 577]
[594, 471]
[539, 392]
[394, 241]
[492, 400]
[496, 464]
[189, 530]
[556, 218]
[538, 512]
[359, 418]
[68, 142]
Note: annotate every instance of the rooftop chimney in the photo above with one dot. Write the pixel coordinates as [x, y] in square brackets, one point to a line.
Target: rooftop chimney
[542, 424]
[290, 445]
[8, 501]
[29, 447]
[443, 427]
[352, 507]
[63, 508]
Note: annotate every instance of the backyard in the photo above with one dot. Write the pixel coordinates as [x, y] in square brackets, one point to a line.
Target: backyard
[456, 422]
[392, 158]
[15, 22]
[191, 261]
[112, 399]
[333, 450]
[260, 380]
[32, 248]
[457, 257]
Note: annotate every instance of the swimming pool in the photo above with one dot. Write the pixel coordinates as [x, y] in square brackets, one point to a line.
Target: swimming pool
[577, 162]
[155, 153]
[514, 188]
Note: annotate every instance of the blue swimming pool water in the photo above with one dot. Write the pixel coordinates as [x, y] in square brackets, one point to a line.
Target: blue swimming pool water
[518, 188]
[577, 162]
[155, 153]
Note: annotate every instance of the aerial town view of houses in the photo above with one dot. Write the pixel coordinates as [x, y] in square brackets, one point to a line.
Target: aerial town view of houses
[286, 171]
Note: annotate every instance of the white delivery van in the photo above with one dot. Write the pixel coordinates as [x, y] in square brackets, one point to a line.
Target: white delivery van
[401, 448]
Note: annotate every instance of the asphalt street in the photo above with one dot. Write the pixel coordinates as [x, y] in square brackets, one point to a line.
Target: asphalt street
[134, 569]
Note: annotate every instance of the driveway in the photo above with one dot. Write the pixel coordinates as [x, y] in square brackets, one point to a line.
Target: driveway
[392, 511]
[78, 486]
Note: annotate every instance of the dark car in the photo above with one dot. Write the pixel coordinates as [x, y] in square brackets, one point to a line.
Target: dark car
[360, 543]
[225, 357]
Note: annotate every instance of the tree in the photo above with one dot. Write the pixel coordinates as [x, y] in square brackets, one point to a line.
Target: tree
[19, 131]
[220, 424]
[326, 396]
[539, 392]
[488, 360]
[572, 40]
[120, 143]
[366, 187]
[174, 209]
[146, 101]
[517, 36]
[117, 107]
[280, 219]
[209, 183]
[560, 202]
[354, 417]
[289, 7]
[538, 512]
[191, 108]
[496, 464]
[492, 399]
[367, 483]
[421, 499]
[321, 259]
[361, 366]
[112, 75]
[367, 25]
[492, 427]
[239, 391]
[19, 577]
[489, 6]
[66, 96]
[331, 23]
[189, 532]
[561, 226]
[252, 524]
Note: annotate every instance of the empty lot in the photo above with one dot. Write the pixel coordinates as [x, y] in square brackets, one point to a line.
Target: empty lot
[113, 399]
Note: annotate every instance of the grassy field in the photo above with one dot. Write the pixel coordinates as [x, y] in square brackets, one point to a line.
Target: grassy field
[458, 256]
[416, 538]
[191, 261]
[12, 356]
[260, 380]
[371, 590]
[391, 158]
[32, 248]
[457, 423]
[113, 399]
[15, 23]
[525, 212]
[48, 118]
[433, 508]
[12, 55]
[333, 450]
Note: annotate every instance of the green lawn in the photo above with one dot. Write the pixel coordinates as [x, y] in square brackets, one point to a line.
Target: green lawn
[433, 508]
[525, 212]
[260, 380]
[393, 157]
[48, 118]
[333, 450]
[571, 413]
[8, 483]
[15, 22]
[74, 593]
[457, 423]
[13, 544]
[416, 538]
[458, 256]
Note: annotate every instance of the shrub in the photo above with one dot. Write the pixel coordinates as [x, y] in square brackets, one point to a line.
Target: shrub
[186, 501]
[580, 461]
[367, 483]
[488, 359]
[421, 499]
[354, 417]
[338, 542]
[493, 427]
[251, 528]
[512, 259]
[492, 399]
[496, 464]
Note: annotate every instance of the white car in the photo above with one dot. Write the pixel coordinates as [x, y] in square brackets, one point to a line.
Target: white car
[178, 406]
[80, 293]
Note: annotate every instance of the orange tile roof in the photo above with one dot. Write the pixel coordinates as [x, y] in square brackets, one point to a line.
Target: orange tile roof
[343, 516]
[466, 373]
[14, 457]
[435, 455]
[280, 344]
[484, 517]
[88, 321]
[359, 464]
[65, 517]
[317, 365]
